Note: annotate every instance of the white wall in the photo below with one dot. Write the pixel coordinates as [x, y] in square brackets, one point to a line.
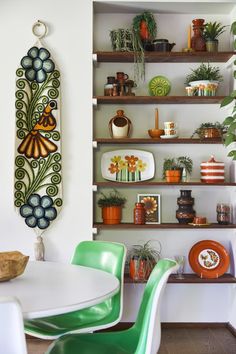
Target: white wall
[70, 42]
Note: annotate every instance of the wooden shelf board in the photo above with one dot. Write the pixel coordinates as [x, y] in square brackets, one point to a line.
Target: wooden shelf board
[190, 279]
[165, 57]
[161, 183]
[158, 99]
[157, 141]
[127, 225]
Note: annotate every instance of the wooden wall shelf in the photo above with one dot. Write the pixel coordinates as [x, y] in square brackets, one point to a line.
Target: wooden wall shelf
[162, 226]
[190, 279]
[165, 57]
[157, 141]
[161, 183]
[158, 99]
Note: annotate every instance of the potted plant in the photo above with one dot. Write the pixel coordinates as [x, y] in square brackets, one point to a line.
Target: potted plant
[210, 130]
[212, 30]
[173, 168]
[144, 26]
[142, 259]
[230, 121]
[111, 205]
[204, 80]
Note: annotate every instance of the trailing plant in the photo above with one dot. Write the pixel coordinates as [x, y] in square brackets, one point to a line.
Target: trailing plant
[139, 60]
[207, 125]
[212, 30]
[177, 164]
[113, 198]
[204, 72]
[230, 121]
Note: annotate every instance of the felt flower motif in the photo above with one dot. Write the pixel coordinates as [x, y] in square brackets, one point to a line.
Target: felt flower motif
[131, 159]
[38, 211]
[122, 165]
[116, 159]
[37, 64]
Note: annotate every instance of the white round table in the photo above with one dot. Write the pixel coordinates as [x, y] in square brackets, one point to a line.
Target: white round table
[50, 288]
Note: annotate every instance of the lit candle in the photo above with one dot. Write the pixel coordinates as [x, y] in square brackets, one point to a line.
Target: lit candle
[189, 37]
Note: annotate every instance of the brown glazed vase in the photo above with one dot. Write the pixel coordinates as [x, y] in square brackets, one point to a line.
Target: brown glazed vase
[198, 42]
[185, 213]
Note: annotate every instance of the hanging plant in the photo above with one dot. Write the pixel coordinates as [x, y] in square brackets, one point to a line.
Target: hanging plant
[230, 121]
[144, 26]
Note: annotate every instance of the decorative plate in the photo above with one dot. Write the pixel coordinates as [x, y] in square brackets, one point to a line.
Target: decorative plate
[127, 165]
[209, 259]
[159, 86]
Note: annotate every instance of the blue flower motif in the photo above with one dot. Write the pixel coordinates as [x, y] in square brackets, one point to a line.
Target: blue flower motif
[37, 64]
[38, 211]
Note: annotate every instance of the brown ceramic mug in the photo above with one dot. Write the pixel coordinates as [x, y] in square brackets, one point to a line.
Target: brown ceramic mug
[121, 76]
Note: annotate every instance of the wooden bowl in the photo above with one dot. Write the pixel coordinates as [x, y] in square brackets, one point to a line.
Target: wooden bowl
[155, 133]
[12, 264]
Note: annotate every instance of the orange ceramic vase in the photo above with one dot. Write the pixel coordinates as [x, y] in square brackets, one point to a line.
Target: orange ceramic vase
[111, 215]
[139, 269]
[144, 33]
[173, 176]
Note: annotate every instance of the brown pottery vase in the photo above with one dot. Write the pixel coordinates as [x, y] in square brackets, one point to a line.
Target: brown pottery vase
[198, 42]
[185, 213]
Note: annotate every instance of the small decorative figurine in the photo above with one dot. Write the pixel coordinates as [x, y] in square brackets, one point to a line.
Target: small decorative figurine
[39, 249]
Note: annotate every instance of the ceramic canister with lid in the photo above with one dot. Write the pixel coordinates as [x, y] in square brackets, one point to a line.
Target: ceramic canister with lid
[212, 171]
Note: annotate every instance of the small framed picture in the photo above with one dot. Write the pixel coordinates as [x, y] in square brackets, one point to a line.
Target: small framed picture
[152, 204]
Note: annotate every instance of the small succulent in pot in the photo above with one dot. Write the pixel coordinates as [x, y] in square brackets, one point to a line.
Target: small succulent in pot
[111, 205]
[210, 130]
[142, 259]
[173, 168]
[211, 32]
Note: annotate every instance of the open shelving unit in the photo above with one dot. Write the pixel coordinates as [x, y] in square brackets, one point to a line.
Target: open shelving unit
[128, 225]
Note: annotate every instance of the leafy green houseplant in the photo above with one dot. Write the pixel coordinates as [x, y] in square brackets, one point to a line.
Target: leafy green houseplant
[111, 205]
[210, 130]
[173, 168]
[142, 259]
[211, 32]
[230, 121]
[204, 80]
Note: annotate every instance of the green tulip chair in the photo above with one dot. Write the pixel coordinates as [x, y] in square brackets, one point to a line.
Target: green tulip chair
[142, 338]
[106, 256]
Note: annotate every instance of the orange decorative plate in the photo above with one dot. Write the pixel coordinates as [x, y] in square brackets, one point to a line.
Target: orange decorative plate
[209, 259]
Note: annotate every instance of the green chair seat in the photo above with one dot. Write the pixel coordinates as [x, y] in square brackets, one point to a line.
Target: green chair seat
[142, 338]
[106, 256]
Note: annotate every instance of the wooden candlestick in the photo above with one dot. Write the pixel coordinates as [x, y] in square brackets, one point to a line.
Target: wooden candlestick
[156, 118]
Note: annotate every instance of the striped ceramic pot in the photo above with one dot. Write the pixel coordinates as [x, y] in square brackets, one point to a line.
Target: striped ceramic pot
[212, 171]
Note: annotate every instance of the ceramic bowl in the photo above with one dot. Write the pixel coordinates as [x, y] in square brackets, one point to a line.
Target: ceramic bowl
[155, 133]
[12, 264]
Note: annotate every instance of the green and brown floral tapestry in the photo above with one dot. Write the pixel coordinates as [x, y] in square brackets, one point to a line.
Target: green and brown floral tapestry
[38, 178]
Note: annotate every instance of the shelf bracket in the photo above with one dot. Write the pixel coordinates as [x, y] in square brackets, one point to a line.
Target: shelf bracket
[94, 188]
[95, 102]
[95, 58]
[95, 144]
[94, 231]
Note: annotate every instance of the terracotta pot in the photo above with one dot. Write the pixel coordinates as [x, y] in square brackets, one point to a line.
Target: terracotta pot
[173, 175]
[144, 33]
[139, 269]
[111, 215]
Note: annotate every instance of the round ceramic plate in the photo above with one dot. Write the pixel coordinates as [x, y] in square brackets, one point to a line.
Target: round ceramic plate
[191, 223]
[159, 86]
[209, 259]
[169, 136]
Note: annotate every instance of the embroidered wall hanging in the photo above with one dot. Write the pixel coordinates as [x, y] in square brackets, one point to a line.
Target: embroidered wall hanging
[38, 179]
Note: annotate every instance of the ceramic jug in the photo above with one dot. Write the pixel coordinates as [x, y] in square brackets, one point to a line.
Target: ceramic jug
[120, 125]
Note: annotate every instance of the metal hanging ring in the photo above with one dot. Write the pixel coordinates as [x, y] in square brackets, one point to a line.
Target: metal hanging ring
[39, 29]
